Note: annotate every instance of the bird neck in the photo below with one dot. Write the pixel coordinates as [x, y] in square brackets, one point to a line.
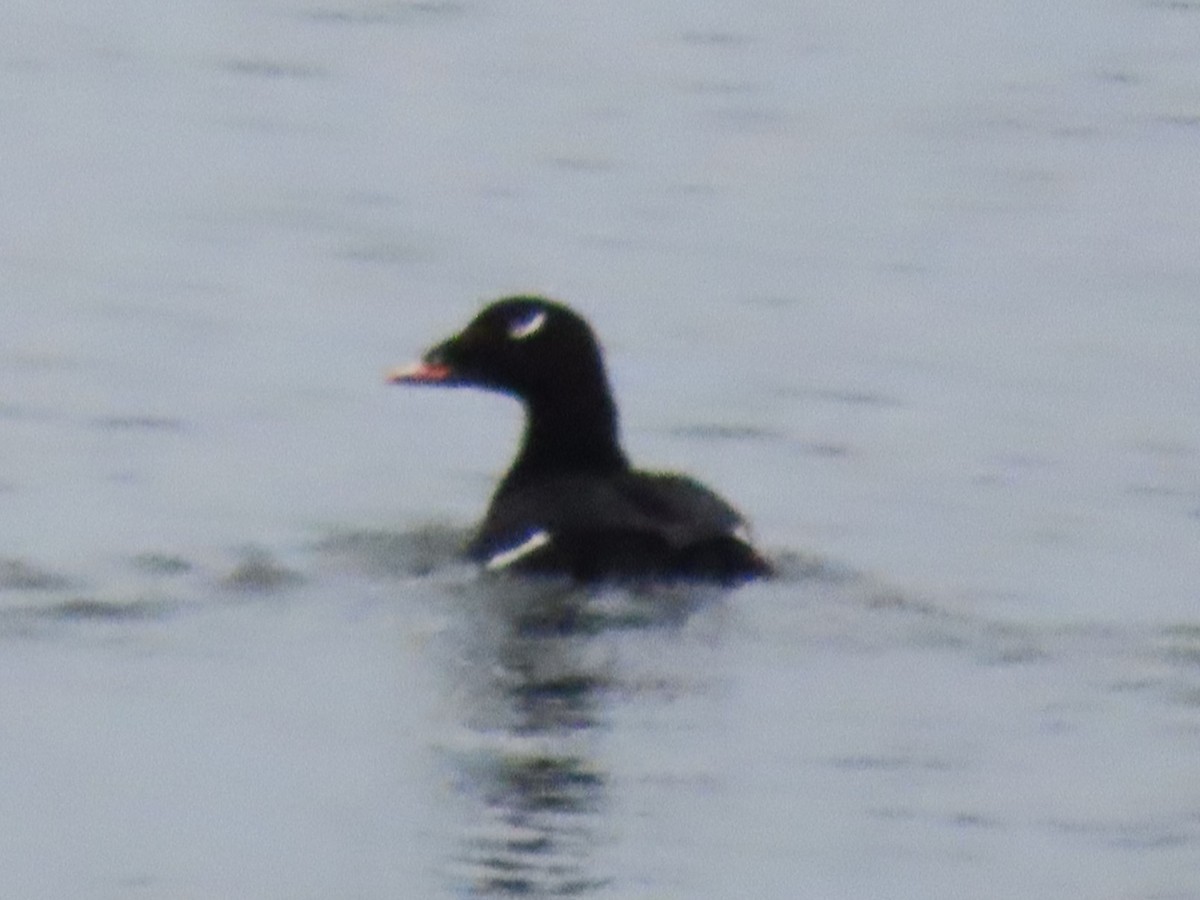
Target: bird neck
[569, 435]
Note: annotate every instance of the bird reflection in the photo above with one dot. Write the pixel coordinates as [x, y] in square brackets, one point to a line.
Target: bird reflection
[535, 689]
[534, 696]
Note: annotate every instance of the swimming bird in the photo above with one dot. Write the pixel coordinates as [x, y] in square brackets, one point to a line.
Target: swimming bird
[571, 503]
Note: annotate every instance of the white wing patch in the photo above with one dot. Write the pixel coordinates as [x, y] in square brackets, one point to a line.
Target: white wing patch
[506, 558]
[523, 328]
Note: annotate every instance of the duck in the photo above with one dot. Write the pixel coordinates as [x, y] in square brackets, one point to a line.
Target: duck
[571, 503]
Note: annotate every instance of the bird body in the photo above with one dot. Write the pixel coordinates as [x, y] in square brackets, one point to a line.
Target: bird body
[571, 503]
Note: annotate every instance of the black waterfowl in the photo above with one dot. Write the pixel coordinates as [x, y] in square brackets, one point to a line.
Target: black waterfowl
[571, 503]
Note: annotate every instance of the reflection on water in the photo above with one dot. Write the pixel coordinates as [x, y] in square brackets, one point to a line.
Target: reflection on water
[536, 702]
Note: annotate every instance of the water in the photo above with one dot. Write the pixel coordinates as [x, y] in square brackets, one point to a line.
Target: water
[914, 286]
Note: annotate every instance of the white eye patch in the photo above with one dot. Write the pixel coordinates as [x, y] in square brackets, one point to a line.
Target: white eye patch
[523, 328]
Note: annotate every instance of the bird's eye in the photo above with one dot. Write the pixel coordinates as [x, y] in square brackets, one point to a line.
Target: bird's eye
[521, 328]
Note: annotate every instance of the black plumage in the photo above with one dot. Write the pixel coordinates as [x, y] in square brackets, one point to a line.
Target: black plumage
[571, 503]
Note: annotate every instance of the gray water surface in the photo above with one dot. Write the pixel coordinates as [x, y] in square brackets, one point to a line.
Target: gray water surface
[915, 286]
